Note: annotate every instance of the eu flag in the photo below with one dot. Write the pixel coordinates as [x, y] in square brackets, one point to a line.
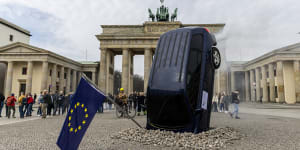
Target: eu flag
[84, 105]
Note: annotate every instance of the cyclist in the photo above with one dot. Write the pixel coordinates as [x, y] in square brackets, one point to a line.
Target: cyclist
[122, 96]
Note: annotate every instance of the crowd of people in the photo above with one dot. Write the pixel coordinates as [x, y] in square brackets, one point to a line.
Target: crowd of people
[221, 102]
[47, 104]
[134, 99]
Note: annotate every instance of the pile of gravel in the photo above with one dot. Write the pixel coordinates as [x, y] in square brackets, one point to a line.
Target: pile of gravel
[212, 139]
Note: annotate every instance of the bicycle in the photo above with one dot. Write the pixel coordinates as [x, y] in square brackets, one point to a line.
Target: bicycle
[125, 110]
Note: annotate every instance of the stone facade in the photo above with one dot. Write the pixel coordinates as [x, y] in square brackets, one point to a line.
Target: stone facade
[11, 33]
[273, 77]
[31, 69]
[130, 40]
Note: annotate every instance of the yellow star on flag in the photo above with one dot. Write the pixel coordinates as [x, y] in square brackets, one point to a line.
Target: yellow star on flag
[79, 127]
[71, 130]
[78, 103]
[83, 122]
[70, 117]
[69, 124]
[71, 111]
[85, 109]
[86, 115]
[82, 105]
[75, 130]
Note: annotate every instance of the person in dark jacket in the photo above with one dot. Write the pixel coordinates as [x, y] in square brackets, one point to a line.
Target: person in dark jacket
[60, 100]
[50, 104]
[66, 103]
[45, 100]
[2, 98]
[55, 103]
[141, 103]
[235, 100]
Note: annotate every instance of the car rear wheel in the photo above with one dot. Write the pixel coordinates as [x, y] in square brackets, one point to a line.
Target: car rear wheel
[216, 57]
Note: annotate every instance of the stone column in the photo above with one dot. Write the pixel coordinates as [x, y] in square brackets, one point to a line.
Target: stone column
[54, 77]
[264, 84]
[232, 81]
[280, 87]
[252, 86]
[44, 76]
[29, 77]
[103, 69]
[68, 85]
[247, 85]
[79, 76]
[94, 77]
[297, 79]
[74, 81]
[108, 62]
[130, 73]
[125, 70]
[289, 82]
[257, 84]
[271, 82]
[147, 67]
[62, 79]
[9, 77]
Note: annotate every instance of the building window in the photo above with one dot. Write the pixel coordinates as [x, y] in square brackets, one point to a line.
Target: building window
[65, 75]
[50, 72]
[58, 74]
[11, 38]
[24, 71]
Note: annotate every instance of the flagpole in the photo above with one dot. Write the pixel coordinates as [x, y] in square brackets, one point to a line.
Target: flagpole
[111, 100]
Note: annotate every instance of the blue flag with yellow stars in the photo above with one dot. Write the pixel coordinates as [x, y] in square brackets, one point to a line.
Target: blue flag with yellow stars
[84, 105]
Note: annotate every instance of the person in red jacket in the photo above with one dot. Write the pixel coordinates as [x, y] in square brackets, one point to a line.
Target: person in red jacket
[10, 102]
[29, 103]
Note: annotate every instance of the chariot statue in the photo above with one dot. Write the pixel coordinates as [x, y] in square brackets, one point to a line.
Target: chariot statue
[162, 13]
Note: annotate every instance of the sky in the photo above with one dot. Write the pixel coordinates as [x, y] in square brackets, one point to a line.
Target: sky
[68, 27]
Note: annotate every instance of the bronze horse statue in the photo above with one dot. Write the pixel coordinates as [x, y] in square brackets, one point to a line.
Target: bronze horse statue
[174, 15]
[151, 15]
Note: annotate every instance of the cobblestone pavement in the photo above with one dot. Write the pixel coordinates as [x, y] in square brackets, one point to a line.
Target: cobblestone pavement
[261, 132]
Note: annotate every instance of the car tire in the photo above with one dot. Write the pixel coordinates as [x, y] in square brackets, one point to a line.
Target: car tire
[216, 57]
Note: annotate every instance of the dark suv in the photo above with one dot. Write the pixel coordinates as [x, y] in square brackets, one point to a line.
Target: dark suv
[180, 86]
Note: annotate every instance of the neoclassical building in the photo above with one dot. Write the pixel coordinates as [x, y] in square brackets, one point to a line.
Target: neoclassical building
[31, 69]
[272, 77]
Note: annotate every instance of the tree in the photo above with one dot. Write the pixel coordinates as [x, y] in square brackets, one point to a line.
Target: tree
[138, 83]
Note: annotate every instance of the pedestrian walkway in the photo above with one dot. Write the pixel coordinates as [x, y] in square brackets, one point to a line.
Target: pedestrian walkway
[281, 110]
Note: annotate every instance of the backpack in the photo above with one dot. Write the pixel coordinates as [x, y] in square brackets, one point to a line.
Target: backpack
[24, 100]
[9, 101]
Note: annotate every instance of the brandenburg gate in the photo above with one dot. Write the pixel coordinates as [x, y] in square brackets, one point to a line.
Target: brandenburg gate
[130, 40]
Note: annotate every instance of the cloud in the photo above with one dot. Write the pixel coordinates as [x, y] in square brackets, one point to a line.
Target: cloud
[253, 27]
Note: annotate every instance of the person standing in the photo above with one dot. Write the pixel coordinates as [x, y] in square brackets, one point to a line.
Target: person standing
[109, 102]
[215, 103]
[226, 102]
[60, 101]
[235, 101]
[50, 104]
[39, 111]
[141, 103]
[45, 100]
[11, 105]
[222, 102]
[2, 99]
[55, 103]
[30, 103]
[25, 104]
[21, 104]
